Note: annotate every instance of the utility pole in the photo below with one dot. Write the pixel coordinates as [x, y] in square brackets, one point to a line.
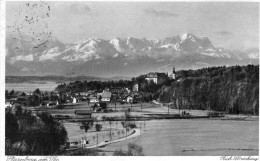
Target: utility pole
[110, 131]
[141, 102]
[179, 109]
[115, 99]
[140, 127]
[115, 104]
[168, 108]
[97, 140]
[144, 124]
[126, 132]
[141, 107]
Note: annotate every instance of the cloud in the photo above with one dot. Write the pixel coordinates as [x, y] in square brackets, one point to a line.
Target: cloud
[224, 33]
[79, 8]
[153, 12]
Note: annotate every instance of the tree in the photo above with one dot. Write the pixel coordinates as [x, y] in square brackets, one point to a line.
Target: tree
[100, 98]
[98, 127]
[33, 134]
[12, 132]
[86, 125]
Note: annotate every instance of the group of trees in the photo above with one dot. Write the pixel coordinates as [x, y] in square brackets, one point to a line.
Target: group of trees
[83, 86]
[33, 134]
[229, 89]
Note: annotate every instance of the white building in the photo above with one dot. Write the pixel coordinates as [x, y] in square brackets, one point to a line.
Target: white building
[135, 87]
[74, 100]
[156, 77]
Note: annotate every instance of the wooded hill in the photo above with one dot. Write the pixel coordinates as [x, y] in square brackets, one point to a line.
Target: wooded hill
[229, 89]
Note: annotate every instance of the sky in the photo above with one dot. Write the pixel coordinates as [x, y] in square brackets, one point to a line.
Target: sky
[230, 25]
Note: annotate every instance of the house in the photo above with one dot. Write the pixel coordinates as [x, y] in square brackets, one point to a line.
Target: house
[74, 100]
[116, 90]
[8, 104]
[129, 99]
[19, 94]
[54, 103]
[157, 78]
[22, 99]
[93, 99]
[106, 96]
[13, 100]
[29, 94]
[86, 113]
[135, 87]
[127, 90]
[83, 93]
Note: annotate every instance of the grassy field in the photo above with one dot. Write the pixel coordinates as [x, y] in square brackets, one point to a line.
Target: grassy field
[173, 137]
[195, 137]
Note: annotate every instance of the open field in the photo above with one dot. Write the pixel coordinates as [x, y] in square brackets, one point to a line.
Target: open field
[173, 137]
[195, 137]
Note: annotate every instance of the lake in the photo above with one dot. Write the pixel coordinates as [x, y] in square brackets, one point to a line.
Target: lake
[195, 138]
[30, 87]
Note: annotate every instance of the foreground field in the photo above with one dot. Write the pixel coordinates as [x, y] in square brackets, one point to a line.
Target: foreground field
[174, 137]
[195, 137]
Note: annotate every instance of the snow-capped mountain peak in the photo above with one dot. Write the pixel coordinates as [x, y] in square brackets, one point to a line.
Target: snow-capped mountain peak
[135, 54]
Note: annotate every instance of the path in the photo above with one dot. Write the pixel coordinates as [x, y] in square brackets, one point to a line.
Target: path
[136, 132]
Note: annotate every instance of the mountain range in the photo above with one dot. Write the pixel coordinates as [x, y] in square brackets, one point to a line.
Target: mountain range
[121, 56]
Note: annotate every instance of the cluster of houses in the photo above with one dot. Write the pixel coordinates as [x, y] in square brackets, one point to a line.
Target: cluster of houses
[53, 98]
[15, 98]
[122, 95]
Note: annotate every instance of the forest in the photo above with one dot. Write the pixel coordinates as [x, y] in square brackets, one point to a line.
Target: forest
[233, 89]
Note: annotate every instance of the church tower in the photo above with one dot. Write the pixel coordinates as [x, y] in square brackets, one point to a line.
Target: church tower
[173, 73]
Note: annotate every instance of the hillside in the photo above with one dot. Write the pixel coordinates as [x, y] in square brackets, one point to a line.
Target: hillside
[228, 89]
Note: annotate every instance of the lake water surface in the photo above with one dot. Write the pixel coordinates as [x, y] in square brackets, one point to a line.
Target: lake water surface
[30, 87]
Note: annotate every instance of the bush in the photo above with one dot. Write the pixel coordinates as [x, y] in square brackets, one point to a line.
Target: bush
[60, 106]
[119, 153]
[131, 125]
[86, 125]
[83, 152]
[98, 127]
[128, 124]
[133, 150]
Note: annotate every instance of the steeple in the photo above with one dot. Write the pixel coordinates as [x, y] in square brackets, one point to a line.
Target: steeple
[173, 73]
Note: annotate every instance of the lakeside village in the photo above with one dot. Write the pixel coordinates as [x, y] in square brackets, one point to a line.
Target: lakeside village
[97, 113]
[127, 94]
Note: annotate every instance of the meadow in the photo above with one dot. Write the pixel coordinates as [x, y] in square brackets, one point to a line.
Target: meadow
[195, 138]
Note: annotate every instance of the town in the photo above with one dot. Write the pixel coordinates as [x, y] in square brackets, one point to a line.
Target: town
[96, 114]
[90, 78]
[123, 92]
